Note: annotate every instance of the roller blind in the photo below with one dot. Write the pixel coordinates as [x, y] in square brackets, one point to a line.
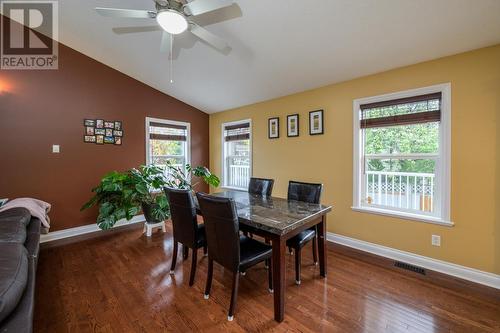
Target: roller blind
[403, 111]
[170, 132]
[237, 132]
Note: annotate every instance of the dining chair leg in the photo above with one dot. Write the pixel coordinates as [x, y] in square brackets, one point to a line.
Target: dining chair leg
[297, 266]
[193, 267]
[185, 252]
[315, 249]
[234, 295]
[174, 257]
[270, 274]
[266, 263]
[210, 273]
[205, 250]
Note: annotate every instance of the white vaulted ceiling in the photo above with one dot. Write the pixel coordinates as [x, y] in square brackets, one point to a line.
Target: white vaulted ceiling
[281, 46]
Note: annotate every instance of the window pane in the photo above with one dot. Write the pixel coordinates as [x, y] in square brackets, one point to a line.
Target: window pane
[162, 147]
[401, 165]
[407, 184]
[406, 139]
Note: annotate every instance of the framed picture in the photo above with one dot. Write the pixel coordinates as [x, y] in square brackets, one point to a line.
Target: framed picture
[273, 130]
[89, 138]
[316, 122]
[89, 122]
[292, 125]
[100, 131]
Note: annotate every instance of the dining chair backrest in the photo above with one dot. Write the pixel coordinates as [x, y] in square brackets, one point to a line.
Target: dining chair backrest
[183, 214]
[261, 186]
[221, 229]
[307, 192]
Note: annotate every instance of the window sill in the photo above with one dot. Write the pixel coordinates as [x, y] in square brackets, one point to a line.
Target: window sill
[406, 216]
[233, 188]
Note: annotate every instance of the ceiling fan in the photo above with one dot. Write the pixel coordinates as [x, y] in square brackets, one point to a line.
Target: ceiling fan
[174, 17]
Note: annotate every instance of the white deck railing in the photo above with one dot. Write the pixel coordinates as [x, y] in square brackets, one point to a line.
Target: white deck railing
[406, 190]
[238, 176]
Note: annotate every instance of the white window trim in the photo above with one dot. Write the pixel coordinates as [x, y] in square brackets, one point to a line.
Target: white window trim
[223, 164]
[443, 170]
[168, 122]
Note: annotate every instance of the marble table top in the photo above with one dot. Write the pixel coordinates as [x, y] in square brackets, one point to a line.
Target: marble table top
[275, 215]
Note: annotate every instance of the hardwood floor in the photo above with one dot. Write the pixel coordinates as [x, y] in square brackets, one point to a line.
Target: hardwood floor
[121, 283]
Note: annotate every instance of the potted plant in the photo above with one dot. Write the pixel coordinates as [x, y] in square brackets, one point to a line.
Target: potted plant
[149, 183]
[122, 195]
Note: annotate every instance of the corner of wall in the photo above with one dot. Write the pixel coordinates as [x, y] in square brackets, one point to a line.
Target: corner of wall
[497, 186]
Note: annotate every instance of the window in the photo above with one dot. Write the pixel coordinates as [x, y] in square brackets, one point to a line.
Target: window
[401, 154]
[236, 154]
[167, 140]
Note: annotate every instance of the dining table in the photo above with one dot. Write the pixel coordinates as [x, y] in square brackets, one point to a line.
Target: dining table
[277, 220]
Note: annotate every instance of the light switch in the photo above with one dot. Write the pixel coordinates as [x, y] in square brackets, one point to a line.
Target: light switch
[55, 149]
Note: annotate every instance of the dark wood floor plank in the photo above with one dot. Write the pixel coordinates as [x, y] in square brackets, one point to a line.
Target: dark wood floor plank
[121, 283]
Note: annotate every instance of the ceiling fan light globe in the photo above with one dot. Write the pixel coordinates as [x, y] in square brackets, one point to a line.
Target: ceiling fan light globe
[172, 22]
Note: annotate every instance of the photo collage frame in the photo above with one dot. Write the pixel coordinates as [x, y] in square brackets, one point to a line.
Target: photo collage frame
[100, 131]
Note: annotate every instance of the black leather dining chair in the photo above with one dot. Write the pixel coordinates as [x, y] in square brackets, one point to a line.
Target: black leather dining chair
[225, 245]
[186, 229]
[260, 186]
[310, 193]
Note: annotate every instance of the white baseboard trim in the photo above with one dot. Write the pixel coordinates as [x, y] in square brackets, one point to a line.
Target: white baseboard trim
[466, 273]
[72, 232]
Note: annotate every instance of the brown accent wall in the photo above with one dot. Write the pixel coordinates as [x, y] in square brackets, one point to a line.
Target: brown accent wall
[45, 107]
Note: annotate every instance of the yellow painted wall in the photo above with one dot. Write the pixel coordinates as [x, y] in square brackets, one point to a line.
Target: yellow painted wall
[497, 202]
[475, 82]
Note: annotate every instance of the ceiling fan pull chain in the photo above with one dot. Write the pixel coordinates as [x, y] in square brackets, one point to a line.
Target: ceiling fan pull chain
[171, 58]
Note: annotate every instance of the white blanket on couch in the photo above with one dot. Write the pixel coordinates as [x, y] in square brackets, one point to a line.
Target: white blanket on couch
[37, 208]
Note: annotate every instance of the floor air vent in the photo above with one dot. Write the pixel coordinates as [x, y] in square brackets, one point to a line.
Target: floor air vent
[409, 267]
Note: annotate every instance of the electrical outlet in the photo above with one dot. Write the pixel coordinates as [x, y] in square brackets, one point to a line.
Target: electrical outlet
[436, 240]
[55, 149]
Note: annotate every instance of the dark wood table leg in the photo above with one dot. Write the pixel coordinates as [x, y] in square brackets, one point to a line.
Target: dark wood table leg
[278, 263]
[322, 246]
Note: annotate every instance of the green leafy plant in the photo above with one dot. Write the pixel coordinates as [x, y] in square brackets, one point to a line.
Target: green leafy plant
[178, 178]
[122, 195]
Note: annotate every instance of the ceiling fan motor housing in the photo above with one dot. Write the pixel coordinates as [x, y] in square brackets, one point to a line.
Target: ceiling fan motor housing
[171, 4]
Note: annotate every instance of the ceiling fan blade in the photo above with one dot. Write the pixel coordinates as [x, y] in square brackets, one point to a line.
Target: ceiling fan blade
[198, 7]
[132, 30]
[126, 13]
[165, 42]
[209, 38]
